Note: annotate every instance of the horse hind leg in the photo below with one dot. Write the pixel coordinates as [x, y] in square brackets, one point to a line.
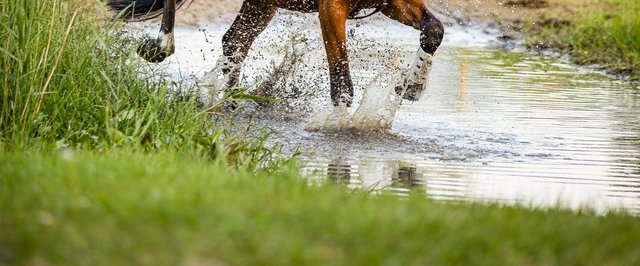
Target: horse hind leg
[415, 13]
[253, 18]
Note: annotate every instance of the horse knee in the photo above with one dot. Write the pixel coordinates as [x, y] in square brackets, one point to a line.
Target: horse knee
[431, 33]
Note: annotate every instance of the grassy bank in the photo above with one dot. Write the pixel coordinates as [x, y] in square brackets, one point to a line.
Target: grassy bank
[600, 32]
[85, 208]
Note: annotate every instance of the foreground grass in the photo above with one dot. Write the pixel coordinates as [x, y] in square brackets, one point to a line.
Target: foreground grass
[89, 208]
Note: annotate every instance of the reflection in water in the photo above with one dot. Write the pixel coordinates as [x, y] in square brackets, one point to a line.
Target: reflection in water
[407, 177]
[463, 88]
[399, 176]
[339, 172]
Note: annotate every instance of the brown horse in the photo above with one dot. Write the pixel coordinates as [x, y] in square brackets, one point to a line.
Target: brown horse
[254, 16]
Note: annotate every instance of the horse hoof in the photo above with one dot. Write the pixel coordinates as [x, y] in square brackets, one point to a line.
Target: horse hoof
[412, 92]
[151, 51]
[342, 100]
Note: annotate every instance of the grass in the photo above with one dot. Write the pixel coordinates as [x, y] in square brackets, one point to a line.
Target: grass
[600, 32]
[603, 32]
[68, 82]
[65, 81]
[88, 208]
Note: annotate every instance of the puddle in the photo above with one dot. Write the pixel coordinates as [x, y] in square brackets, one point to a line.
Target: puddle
[493, 125]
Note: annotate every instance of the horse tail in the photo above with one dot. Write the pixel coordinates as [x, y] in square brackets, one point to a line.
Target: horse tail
[140, 10]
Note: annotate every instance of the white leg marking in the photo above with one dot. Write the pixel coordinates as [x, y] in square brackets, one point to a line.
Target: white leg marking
[421, 68]
[416, 79]
[167, 42]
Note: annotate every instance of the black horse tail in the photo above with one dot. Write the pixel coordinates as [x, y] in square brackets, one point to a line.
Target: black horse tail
[139, 10]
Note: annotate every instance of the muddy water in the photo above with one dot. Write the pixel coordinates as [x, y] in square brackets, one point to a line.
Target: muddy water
[494, 125]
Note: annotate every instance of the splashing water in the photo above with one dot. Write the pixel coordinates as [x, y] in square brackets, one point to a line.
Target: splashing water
[379, 103]
[376, 108]
[375, 112]
[208, 85]
[288, 63]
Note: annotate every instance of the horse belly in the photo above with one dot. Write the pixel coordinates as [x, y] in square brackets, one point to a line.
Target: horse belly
[306, 6]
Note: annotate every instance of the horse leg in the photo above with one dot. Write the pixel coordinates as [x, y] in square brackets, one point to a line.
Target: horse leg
[156, 50]
[415, 13]
[333, 17]
[253, 18]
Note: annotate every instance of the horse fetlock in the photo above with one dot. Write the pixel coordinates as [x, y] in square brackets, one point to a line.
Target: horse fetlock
[228, 63]
[421, 68]
[153, 51]
[432, 32]
[416, 79]
[342, 95]
[228, 71]
[343, 100]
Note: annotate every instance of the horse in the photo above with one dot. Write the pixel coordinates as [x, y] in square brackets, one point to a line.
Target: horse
[255, 15]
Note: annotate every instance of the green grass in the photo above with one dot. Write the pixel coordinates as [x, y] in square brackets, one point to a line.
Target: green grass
[87, 208]
[66, 81]
[602, 32]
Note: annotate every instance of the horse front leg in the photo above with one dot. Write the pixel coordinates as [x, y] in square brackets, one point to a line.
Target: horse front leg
[333, 17]
[415, 13]
[156, 50]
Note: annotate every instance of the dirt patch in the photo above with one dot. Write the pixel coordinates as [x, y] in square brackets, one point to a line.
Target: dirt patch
[506, 15]
[528, 3]
[200, 12]
[512, 17]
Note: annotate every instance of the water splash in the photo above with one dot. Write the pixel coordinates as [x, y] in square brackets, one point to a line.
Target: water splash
[379, 103]
[375, 112]
[208, 87]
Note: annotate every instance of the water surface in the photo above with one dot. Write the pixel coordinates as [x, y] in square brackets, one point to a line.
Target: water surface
[494, 125]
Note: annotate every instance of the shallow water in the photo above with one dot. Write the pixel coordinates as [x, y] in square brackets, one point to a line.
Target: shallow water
[494, 125]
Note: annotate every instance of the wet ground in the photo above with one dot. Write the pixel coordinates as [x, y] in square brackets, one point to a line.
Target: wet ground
[495, 124]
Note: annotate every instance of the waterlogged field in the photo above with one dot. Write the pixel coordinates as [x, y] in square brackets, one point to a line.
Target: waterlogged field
[495, 125]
